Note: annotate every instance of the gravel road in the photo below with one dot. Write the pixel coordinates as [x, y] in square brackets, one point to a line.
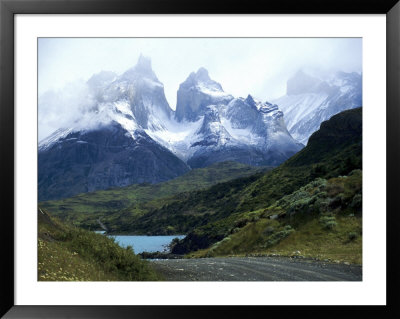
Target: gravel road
[254, 269]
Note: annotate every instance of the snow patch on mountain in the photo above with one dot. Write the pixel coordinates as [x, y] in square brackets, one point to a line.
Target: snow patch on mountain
[124, 108]
[242, 135]
[214, 92]
[177, 136]
[123, 116]
[297, 107]
[106, 113]
[53, 138]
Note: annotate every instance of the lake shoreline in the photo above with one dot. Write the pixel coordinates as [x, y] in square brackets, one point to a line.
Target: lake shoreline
[149, 245]
[159, 255]
[99, 231]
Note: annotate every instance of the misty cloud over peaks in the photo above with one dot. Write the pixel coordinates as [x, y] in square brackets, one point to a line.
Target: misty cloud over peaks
[257, 66]
[71, 107]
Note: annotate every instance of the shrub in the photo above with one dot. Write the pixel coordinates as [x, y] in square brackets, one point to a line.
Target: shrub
[336, 201]
[357, 201]
[328, 222]
[321, 194]
[320, 205]
[241, 223]
[216, 245]
[335, 188]
[356, 172]
[319, 182]
[318, 170]
[255, 219]
[278, 236]
[352, 236]
[225, 240]
[269, 230]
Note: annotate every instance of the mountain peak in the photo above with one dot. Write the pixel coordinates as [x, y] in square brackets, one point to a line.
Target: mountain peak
[143, 63]
[250, 100]
[142, 69]
[202, 74]
[196, 93]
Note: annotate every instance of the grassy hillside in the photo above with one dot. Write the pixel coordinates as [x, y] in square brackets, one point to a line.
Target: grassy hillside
[320, 220]
[116, 208]
[67, 253]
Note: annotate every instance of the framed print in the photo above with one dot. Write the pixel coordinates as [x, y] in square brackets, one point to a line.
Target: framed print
[173, 159]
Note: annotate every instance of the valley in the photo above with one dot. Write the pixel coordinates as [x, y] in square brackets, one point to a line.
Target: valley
[115, 209]
[308, 207]
[257, 190]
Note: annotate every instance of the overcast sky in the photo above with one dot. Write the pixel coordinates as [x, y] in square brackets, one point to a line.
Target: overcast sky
[257, 66]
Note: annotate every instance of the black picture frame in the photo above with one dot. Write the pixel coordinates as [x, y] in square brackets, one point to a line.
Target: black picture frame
[8, 8]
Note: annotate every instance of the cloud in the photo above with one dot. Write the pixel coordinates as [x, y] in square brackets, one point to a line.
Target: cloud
[65, 107]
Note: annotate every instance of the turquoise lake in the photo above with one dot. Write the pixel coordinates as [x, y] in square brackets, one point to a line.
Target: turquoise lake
[145, 243]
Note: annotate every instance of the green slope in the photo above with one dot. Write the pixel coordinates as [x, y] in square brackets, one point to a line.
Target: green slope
[116, 208]
[67, 253]
[320, 220]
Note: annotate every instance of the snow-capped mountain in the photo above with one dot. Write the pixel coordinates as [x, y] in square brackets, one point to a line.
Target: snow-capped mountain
[309, 101]
[108, 146]
[129, 134]
[138, 93]
[212, 126]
